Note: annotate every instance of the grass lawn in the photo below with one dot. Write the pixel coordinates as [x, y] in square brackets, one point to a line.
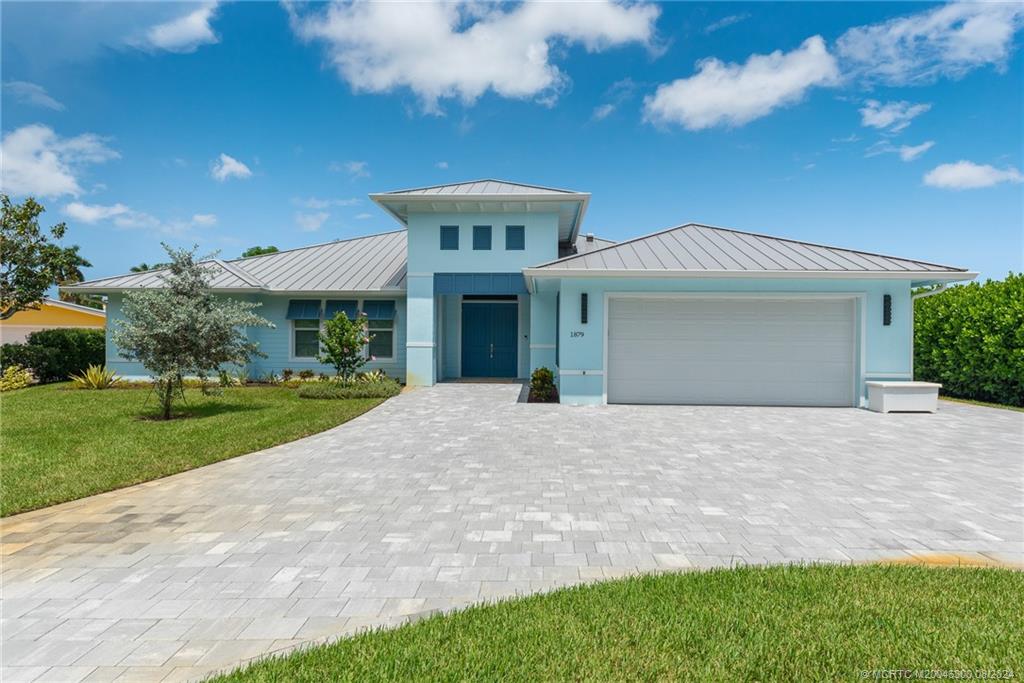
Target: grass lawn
[61, 444]
[777, 623]
[1004, 406]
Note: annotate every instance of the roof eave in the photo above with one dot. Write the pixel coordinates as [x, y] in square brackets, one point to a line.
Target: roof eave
[240, 290]
[914, 276]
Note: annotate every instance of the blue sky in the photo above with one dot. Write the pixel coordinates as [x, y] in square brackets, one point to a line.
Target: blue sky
[894, 128]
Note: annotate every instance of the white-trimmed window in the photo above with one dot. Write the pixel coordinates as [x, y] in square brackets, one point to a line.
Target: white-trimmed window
[382, 339]
[305, 338]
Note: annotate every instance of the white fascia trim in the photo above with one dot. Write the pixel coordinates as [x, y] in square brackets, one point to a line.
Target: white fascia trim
[580, 372]
[526, 197]
[542, 346]
[71, 307]
[751, 274]
[419, 345]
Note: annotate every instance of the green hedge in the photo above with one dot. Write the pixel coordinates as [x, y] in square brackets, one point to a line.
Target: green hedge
[54, 355]
[333, 389]
[971, 339]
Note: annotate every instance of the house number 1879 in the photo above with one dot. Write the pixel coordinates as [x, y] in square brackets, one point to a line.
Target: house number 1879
[576, 333]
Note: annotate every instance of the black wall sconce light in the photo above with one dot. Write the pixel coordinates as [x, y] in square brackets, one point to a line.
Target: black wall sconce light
[583, 307]
[887, 310]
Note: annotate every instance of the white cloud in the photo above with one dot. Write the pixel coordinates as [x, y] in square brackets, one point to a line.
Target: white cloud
[725, 22]
[32, 93]
[356, 169]
[443, 165]
[311, 222]
[123, 216]
[967, 175]
[228, 167]
[735, 94]
[455, 50]
[185, 33]
[603, 111]
[363, 216]
[120, 215]
[906, 152]
[852, 137]
[894, 116]
[37, 161]
[616, 94]
[911, 152]
[317, 203]
[949, 41]
[92, 213]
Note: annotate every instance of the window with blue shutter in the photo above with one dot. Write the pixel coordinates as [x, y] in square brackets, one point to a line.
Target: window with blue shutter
[515, 237]
[481, 238]
[350, 307]
[380, 314]
[449, 238]
[303, 309]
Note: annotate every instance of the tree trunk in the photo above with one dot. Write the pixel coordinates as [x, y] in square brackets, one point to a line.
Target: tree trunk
[167, 398]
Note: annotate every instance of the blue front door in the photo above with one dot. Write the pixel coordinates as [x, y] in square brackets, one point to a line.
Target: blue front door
[489, 330]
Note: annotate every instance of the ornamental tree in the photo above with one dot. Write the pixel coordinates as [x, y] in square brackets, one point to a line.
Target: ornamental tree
[182, 329]
[30, 263]
[343, 341]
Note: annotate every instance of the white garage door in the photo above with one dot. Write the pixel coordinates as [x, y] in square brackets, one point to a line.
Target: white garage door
[796, 352]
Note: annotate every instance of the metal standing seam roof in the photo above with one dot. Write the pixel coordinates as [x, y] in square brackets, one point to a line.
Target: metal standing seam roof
[362, 264]
[487, 186]
[695, 247]
[471, 196]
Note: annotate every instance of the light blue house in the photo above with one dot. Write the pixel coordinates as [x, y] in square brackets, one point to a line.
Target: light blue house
[493, 279]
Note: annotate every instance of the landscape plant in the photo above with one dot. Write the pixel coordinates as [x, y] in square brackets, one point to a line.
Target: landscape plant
[970, 338]
[183, 329]
[542, 385]
[54, 355]
[347, 389]
[343, 340]
[15, 377]
[95, 377]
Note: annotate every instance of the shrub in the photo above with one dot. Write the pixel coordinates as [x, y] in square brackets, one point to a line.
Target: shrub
[343, 341]
[306, 374]
[970, 338]
[14, 377]
[542, 386]
[54, 355]
[372, 376]
[286, 374]
[95, 377]
[334, 389]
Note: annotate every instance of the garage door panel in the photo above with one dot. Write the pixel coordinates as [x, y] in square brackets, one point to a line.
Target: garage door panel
[731, 351]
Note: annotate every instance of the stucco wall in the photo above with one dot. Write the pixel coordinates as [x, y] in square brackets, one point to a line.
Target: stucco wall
[886, 350]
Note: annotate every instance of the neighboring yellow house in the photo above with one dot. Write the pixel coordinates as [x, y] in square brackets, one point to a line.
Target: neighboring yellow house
[50, 314]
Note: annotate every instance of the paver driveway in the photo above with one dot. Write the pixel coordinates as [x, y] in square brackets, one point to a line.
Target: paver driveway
[457, 493]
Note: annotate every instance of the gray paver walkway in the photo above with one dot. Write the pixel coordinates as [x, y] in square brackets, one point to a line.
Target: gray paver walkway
[457, 493]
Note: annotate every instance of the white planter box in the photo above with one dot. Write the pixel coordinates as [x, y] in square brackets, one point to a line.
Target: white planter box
[911, 397]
